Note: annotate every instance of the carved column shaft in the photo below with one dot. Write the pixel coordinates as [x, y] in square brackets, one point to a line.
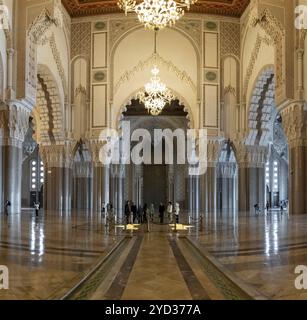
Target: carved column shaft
[83, 184]
[226, 186]
[295, 126]
[117, 190]
[14, 122]
[101, 179]
[208, 181]
[10, 56]
[251, 162]
[58, 177]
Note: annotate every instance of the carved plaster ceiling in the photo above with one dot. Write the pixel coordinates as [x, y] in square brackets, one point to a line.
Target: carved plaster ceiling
[80, 8]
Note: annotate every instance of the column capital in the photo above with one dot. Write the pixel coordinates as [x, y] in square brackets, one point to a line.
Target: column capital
[294, 120]
[57, 156]
[227, 170]
[10, 52]
[83, 169]
[118, 171]
[213, 152]
[14, 123]
[94, 147]
[251, 156]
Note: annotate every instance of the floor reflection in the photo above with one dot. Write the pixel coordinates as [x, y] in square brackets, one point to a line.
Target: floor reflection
[49, 254]
[262, 250]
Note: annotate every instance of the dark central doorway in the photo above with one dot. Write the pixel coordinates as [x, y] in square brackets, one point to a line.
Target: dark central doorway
[155, 184]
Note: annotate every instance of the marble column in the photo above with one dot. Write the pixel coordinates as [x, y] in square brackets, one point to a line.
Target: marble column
[193, 183]
[170, 183]
[14, 122]
[251, 162]
[101, 179]
[283, 180]
[226, 186]
[294, 119]
[180, 185]
[243, 175]
[83, 184]
[10, 57]
[208, 181]
[58, 176]
[138, 171]
[117, 190]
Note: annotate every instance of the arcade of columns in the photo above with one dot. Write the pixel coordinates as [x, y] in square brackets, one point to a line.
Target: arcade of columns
[96, 183]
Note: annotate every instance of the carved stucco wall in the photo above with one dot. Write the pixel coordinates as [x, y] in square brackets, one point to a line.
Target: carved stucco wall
[133, 61]
[262, 44]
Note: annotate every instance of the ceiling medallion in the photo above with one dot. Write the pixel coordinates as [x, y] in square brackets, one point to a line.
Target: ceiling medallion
[157, 14]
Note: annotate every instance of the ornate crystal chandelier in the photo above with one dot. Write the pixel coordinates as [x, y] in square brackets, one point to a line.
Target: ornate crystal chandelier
[156, 95]
[157, 14]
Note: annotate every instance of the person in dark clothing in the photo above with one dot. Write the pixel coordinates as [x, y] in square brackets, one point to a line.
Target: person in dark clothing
[127, 212]
[139, 214]
[145, 212]
[257, 209]
[36, 207]
[6, 206]
[161, 212]
[134, 212]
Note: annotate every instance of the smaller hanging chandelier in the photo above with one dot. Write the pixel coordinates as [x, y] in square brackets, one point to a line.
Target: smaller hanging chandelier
[156, 95]
[156, 14]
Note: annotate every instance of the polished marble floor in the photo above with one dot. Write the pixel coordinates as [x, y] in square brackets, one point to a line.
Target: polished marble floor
[263, 250]
[49, 255]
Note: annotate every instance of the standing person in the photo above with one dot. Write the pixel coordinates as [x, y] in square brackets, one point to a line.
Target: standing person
[161, 212]
[36, 207]
[267, 206]
[134, 212]
[177, 212]
[108, 213]
[110, 219]
[152, 212]
[257, 209]
[127, 212]
[145, 212]
[282, 207]
[103, 208]
[6, 206]
[170, 211]
[140, 215]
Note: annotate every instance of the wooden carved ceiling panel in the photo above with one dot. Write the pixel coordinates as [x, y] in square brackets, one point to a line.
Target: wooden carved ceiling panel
[80, 8]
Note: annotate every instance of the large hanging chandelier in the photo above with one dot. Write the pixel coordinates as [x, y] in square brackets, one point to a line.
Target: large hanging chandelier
[156, 14]
[156, 95]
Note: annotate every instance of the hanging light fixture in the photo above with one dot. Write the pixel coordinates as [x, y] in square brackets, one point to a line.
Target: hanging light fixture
[155, 94]
[157, 14]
